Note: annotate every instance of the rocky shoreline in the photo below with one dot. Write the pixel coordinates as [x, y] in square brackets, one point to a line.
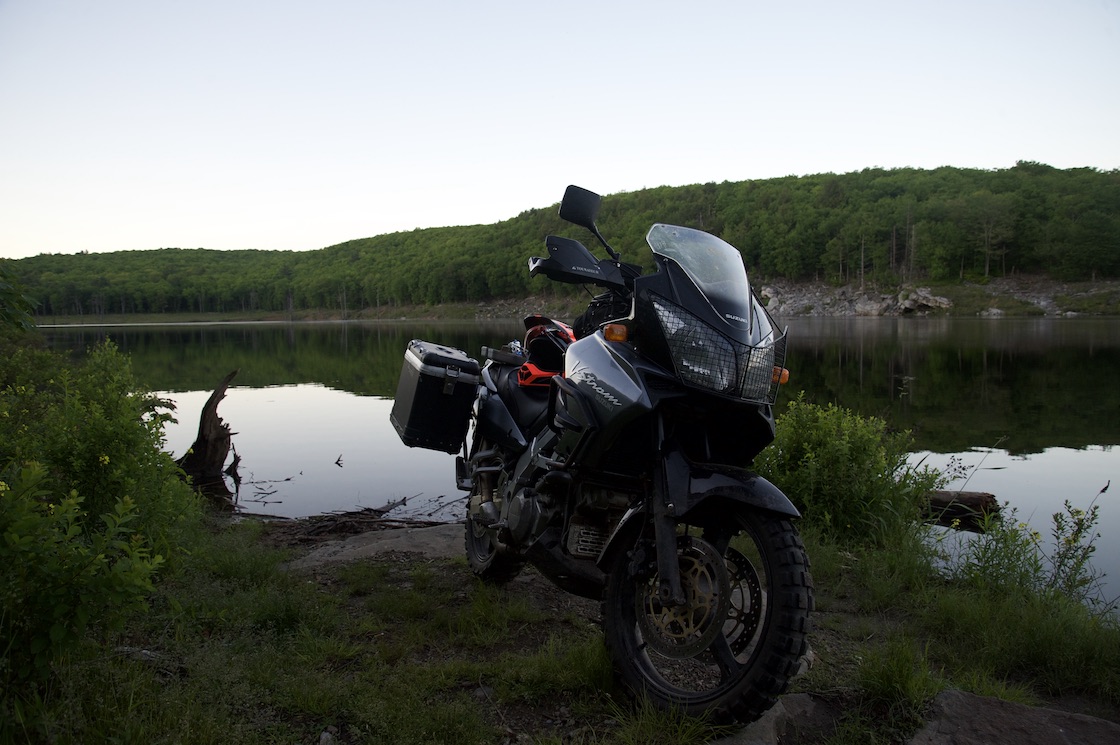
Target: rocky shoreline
[1003, 296]
[1010, 296]
[820, 300]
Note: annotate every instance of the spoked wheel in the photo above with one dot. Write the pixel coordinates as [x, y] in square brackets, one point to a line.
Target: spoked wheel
[731, 649]
[487, 557]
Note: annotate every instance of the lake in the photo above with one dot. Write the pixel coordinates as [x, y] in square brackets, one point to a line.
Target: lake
[1031, 405]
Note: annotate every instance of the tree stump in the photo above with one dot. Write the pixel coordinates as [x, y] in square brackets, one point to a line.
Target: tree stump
[206, 459]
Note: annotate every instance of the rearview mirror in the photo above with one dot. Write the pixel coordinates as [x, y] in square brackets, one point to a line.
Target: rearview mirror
[580, 207]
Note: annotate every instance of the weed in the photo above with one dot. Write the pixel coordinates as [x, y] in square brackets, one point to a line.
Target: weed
[645, 724]
[899, 677]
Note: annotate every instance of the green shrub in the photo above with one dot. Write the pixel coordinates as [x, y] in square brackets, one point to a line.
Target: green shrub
[846, 473]
[15, 306]
[57, 577]
[96, 432]
[90, 507]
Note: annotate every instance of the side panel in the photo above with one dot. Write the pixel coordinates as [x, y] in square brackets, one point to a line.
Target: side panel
[605, 376]
[496, 424]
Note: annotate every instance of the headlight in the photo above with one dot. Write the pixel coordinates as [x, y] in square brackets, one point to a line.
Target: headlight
[702, 355]
[759, 375]
[706, 358]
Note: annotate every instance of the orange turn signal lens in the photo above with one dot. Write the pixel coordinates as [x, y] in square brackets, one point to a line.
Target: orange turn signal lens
[616, 332]
[781, 376]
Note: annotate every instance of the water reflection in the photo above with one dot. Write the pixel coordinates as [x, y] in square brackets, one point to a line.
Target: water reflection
[308, 449]
[1044, 389]
[957, 384]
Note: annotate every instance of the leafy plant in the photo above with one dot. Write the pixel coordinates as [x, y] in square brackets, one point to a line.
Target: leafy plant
[90, 508]
[15, 306]
[1008, 554]
[58, 576]
[1074, 533]
[95, 431]
[846, 473]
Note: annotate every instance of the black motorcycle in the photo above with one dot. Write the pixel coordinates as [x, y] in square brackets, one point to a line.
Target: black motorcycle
[614, 457]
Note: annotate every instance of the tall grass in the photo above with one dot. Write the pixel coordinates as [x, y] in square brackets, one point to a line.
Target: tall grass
[1000, 613]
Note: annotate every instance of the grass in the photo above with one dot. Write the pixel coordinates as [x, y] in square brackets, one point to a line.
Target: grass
[890, 633]
[1103, 301]
[236, 648]
[972, 299]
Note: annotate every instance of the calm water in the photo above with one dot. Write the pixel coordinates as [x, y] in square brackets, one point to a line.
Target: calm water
[1033, 405]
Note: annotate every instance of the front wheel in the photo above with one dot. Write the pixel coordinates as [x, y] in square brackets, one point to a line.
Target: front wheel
[731, 650]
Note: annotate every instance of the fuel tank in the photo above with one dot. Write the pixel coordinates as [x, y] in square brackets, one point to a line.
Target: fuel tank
[602, 395]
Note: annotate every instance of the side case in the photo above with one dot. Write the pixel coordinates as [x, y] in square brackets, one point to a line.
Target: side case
[434, 396]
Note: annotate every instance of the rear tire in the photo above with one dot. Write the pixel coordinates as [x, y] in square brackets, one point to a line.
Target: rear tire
[732, 650]
[490, 561]
[488, 558]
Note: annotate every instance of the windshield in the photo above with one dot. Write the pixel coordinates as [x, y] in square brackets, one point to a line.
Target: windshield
[715, 266]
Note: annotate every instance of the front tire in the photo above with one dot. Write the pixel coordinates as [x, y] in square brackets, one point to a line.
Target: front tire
[733, 648]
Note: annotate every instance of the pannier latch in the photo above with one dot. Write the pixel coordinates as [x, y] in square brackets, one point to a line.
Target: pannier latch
[450, 380]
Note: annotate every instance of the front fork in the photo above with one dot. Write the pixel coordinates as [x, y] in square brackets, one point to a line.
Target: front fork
[669, 588]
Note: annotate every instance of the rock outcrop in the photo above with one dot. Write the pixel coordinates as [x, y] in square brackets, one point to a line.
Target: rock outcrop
[822, 300]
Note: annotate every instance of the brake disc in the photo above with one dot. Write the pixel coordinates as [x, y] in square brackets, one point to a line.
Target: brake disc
[745, 612]
[686, 630]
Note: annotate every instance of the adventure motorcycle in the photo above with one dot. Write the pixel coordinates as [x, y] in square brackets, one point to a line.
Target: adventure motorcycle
[613, 457]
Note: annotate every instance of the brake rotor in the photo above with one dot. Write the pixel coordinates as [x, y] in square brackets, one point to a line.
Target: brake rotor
[745, 612]
[686, 630]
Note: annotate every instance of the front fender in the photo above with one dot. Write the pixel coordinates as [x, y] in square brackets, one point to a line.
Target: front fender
[690, 485]
[696, 490]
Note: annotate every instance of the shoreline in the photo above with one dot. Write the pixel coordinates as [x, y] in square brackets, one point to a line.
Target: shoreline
[1002, 297]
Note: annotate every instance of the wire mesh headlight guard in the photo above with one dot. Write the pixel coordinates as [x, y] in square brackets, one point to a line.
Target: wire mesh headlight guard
[706, 358]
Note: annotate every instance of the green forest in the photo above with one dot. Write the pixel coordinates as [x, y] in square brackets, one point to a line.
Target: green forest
[887, 226]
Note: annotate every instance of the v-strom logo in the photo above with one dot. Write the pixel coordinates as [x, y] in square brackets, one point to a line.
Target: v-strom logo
[605, 396]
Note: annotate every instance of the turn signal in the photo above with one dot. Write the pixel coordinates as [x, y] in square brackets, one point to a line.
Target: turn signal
[616, 332]
[781, 376]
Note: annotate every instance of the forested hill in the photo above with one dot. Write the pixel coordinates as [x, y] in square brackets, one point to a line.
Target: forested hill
[892, 225]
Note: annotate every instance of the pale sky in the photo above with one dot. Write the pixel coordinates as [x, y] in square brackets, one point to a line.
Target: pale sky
[140, 124]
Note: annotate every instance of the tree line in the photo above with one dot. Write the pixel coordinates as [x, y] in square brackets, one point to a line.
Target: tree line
[875, 225]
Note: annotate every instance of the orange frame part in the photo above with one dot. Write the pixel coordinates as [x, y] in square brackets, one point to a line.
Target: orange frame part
[530, 375]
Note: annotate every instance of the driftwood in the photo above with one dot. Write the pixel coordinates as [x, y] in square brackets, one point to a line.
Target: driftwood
[330, 525]
[963, 510]
[206, 459]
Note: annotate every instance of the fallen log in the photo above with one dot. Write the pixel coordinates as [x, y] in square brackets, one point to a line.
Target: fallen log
[205, 460]
[962, 510]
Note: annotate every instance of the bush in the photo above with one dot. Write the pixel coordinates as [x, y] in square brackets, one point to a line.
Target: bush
[95, 431]
[847, 474]
[58, 575]
[15, 306]
[90, 507]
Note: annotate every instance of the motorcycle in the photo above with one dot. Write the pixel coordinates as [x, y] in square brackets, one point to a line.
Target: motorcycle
[614, 457]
